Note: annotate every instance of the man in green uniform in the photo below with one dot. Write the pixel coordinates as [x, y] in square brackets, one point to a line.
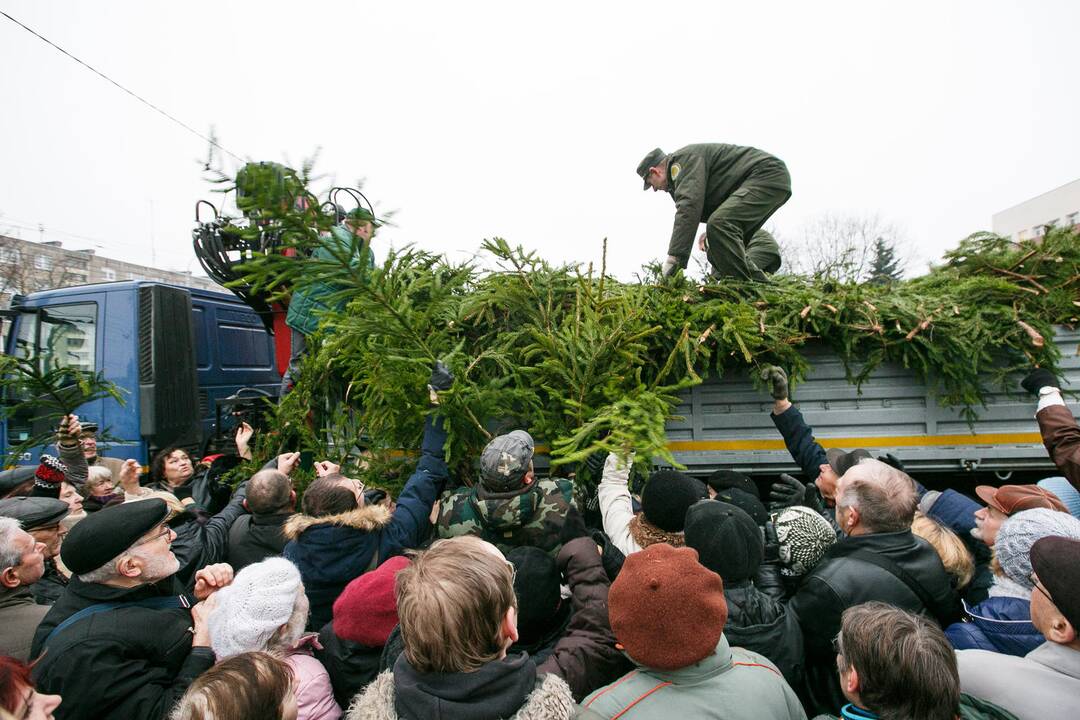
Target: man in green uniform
[509, 507]
[734, 189]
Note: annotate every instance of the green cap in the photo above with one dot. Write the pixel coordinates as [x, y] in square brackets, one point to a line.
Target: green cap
[653, 159]
[363, 215]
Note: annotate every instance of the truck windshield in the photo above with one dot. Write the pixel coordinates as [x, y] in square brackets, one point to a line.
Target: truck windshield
[63, 335]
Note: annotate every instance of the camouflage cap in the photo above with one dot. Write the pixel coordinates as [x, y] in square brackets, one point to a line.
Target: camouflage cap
[505, 461]
[654, 158]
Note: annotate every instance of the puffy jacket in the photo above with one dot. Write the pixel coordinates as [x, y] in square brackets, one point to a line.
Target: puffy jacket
[764, 625]
[956, 511]
[314, 695]
[311, 300]
[998, 624]
[531, 516]
[840, 581]
[330, 551]
[1061, 436]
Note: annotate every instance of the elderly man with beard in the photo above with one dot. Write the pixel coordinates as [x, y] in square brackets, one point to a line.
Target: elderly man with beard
[123, 639]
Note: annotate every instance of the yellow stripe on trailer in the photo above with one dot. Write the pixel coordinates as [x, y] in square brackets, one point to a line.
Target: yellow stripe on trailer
[850, 443]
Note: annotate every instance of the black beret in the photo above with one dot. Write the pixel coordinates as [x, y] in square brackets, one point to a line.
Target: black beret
[727, 540]
[107, 533]
[745, 502]
[34, 512]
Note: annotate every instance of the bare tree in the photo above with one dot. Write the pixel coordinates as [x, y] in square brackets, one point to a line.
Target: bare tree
[841, 246]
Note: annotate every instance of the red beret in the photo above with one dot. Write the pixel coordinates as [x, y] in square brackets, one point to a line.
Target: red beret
[366, 611]
[666, 609]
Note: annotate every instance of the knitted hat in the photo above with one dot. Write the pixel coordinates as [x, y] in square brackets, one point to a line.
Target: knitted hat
[666, 609]
[260, 599]
[536, 584]
[745, 502]
[667, 496]
[729, 479]
[1057, 562]
[366, 611]
[804, 536]
[47, 478]
[1065, 492]
[727, 540]
[1019, 533]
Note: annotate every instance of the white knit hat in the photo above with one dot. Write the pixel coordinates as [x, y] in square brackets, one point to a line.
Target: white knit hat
[261, 598]
[1020, 531]
[804, 536]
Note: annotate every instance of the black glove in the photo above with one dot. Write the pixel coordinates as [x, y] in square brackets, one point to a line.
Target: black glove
[786, 493]
[441, 377]
[573, 527]
[374, 496]
[777, 378]
[1037, 379]
[890, 459]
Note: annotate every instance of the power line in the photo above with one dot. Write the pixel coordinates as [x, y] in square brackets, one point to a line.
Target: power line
[129, 92]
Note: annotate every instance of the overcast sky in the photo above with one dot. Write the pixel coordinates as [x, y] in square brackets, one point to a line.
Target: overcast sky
[527, 120]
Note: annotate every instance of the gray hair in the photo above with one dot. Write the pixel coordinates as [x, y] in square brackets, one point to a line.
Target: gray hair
[10, 555]
[98, 473]
[104, 573]
[884, 496]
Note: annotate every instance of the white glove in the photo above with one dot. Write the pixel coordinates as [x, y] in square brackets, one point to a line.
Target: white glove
[670, 265]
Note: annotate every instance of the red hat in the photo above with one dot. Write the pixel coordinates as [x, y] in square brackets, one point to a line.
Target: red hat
[1011, 499]
[366, 611]
[666, 609]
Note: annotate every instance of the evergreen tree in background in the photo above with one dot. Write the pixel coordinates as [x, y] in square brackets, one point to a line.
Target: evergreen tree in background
[885, 267]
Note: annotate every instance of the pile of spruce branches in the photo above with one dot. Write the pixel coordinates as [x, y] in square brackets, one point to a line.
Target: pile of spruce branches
[589, 364]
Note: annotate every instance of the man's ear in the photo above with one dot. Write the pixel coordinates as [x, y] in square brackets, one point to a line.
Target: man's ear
[850, 679]
[508, 629]
[1061, 630]
[9, 578]
[128, 566]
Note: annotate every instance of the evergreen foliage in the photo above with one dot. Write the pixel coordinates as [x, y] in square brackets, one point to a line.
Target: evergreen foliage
[885, 265]
[589, 364]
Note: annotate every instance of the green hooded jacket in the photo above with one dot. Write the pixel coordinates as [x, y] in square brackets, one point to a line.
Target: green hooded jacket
[311, 301]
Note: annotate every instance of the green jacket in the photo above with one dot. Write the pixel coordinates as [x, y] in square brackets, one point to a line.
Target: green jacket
[533, 516]
[701, 177]
[311, 300]
[732, 683]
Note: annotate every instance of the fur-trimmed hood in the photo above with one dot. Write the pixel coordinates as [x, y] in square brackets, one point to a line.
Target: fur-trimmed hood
[367, 518]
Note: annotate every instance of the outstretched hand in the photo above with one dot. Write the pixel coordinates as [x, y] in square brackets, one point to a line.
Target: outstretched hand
[441, 379]
[787, 492]
[778, 381]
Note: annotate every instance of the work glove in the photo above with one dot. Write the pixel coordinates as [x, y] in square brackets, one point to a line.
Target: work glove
[69, 431]
[670, 266]
[890, 459]
[441, 379]
[1037, 379]
[786, 493]
[777, 379]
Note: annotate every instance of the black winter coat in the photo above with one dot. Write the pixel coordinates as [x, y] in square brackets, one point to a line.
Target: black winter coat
[51, 586]
[351, 665]
[841, 581]
[764, 625]
[253, 538]
[200, 544]
[132, 663]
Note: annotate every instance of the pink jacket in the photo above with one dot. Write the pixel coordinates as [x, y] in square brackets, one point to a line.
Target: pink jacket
[314, 695]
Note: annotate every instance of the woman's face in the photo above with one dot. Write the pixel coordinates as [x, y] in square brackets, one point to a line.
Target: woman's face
[71, 496]
[178, 469]
[35, 706]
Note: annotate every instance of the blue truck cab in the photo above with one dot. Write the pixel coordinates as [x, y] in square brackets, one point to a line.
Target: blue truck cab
[175, 352]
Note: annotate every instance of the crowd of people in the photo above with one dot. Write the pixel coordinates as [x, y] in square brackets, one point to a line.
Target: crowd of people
[856, 594]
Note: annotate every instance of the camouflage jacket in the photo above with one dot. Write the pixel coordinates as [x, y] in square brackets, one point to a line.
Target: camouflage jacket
[531, 517]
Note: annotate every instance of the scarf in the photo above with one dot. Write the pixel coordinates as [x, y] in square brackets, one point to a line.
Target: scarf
[646, 534]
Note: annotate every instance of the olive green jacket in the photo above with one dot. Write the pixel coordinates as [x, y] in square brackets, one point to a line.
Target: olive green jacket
[701, 177]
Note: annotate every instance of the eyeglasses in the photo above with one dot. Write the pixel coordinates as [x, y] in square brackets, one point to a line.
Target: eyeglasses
[164, 532]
